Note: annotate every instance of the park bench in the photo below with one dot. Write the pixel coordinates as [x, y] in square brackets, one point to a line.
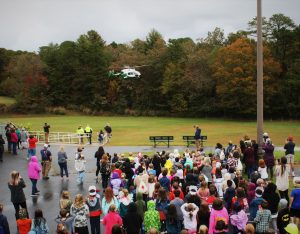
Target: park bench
[191, 140]
[161, 139]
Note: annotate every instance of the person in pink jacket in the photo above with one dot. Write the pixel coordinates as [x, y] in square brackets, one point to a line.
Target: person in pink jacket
[218, 217]
[34, 171]
[111, 219]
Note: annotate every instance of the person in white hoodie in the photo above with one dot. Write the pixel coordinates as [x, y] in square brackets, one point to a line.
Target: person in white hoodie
[189, 211]
[80, 168]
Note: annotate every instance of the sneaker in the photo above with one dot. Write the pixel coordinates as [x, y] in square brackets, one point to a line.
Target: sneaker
[34, 195]
[293, 174]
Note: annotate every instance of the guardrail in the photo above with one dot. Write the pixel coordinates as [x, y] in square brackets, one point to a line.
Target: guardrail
[62, 137]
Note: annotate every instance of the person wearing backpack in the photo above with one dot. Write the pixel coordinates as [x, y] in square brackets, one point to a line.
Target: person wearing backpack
[105, 170]
[39, 224]
[4, 226]
[94, 204]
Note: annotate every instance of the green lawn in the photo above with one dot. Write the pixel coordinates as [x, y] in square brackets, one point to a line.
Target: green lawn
[136, 130]
[7, 100]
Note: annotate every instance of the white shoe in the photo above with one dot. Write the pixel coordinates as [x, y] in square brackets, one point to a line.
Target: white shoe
[293, 173]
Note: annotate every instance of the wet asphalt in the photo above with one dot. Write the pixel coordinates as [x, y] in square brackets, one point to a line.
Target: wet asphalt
[50, 190]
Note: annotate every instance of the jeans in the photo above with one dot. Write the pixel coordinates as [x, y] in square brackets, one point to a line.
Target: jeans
[63, 167]
[250, 170]
[9, 143]
[95, 224]
[34, 188]
[14, 145]
[31, 152]
[81, 175]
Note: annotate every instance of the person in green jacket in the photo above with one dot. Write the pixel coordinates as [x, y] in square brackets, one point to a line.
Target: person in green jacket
[151, 218]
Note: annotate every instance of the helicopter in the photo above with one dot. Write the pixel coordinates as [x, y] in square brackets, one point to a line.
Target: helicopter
[126, 72]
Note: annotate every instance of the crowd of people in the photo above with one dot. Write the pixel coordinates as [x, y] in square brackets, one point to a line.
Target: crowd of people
[231, 190]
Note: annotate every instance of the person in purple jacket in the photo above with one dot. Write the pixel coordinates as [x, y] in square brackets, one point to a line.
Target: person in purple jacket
[34, 171]
[269, 156]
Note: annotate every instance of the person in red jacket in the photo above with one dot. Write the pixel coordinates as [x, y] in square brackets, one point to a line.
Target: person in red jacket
[14, 140]
[23, 223]
[31, 146]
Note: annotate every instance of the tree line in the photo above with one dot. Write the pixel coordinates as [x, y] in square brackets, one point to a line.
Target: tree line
[212, 76]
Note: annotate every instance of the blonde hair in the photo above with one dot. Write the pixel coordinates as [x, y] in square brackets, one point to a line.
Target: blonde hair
[125, 191]
[203, 229]
[250, 229]
[78, 201]
[207, 161]
[61, 148]
[14, 178]
[112, 208]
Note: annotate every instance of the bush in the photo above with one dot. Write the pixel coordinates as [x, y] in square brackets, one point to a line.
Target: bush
[59, 110]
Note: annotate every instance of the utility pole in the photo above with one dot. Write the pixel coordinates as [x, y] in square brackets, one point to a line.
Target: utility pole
[260, 90]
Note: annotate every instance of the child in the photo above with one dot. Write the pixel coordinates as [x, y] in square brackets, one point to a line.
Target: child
[39, 223]
[238, 219]
[66, 219]
[164, 181]
[262, 169]
[255, 203]
[94, 204]
[23, 223]
[157, 186]
[101, 136]
[228, 195]
[80, 168]
[65, 201]
[140, 204]
[111, 219]
[218, 213]
[173, 224]
[151, 170]
[189, 211]
[203, 229]
[151, 187]
[263, 218]
[151, 218]
[116, 183]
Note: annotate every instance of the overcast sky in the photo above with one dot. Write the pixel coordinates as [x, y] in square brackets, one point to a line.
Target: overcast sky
[29, 24]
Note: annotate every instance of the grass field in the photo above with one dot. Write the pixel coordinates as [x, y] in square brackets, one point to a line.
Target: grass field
[136, 130]
[7, 100]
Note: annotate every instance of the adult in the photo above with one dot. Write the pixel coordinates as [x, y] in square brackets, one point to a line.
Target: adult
[62, 162]
[128, 172]
[289, 153]
[88, 131]
[269, 156]
[18, 132]
[249, 158]
[108, 133]
[46, 161]
[80, 211]
[197, 137]
[8, 137]
[16, 185]
[141, 182]
[24, 138]
[39, 223]
[282, 178]
[2, 143]
[98, 155]
[14, 140]
[34, 170]
[80, 133]
[295, 204]
[46, 132]
[94, 205]
[156, 161]
[31, 146]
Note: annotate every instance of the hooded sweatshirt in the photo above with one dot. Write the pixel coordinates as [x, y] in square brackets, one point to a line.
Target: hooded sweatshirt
[251, 192]
[253, 208]
[110, 220]
[151, 218]
[217, 215]
[141, 205]
[116, 183]
[34, 168]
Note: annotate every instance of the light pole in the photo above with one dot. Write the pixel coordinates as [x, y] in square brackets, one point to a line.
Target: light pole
[260, 91]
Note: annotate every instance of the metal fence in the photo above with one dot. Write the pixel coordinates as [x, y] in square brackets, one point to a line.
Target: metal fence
[59, 137]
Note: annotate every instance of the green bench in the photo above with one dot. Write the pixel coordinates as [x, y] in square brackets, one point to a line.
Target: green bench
[161, 139]
[190, 140]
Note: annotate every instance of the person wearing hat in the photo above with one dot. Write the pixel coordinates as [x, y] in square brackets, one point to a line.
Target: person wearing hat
[94, 204]
[290, 152]
[46, 161]
[292, 229]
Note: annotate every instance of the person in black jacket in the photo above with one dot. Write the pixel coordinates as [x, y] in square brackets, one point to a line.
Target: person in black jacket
[98, 155]
[2, 142]
[16, 185]
[3, 221]
[156, 161]
[132, 220]
[272, 197]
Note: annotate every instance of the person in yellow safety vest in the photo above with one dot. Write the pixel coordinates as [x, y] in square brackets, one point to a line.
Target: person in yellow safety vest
[80, 133]
[89, 132]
